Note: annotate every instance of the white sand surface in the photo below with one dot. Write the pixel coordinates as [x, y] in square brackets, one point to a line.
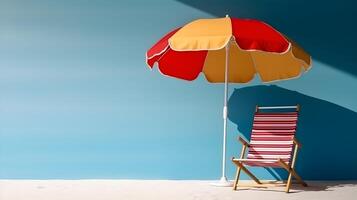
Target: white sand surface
[163, 189]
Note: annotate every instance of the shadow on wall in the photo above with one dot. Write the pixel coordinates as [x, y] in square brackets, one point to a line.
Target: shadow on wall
[326, 131]
[323, 28]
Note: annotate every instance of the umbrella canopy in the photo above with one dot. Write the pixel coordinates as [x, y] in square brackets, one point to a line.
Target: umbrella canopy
[228, 50]
[255, 48]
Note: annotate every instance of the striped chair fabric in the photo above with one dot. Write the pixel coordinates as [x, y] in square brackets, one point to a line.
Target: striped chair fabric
[271, 139]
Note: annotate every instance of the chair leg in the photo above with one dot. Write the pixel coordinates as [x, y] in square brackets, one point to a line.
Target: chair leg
[237, 178]
[298, 178]
[292, 172]
[288, 184]
[248, 172]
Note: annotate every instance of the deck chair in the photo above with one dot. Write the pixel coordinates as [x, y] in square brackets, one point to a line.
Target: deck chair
[272, 144]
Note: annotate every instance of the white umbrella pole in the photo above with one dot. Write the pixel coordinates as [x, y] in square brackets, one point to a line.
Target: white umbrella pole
[223, 181]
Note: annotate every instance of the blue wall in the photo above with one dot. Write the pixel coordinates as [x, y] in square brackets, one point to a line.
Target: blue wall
[77, 100]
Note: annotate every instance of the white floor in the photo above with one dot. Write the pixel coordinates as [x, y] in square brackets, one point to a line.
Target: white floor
[161, 189]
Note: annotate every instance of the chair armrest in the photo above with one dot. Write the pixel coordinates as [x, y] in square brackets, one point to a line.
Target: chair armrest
[297, 143]
[243, 141]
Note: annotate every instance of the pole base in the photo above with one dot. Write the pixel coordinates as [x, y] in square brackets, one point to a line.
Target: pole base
[223, 182]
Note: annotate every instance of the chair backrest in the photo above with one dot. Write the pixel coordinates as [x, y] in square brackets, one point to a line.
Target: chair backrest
[273, 134]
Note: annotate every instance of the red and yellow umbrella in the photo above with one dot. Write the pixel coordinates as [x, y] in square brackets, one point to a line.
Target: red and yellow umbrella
[228, 50]
[254, 48]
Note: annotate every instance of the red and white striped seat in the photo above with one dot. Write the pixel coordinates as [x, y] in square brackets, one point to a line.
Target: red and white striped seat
[271, 139]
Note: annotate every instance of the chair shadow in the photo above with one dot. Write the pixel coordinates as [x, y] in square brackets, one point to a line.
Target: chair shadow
[321, 27]
[312, 187]
[326, 131]
[297, 188]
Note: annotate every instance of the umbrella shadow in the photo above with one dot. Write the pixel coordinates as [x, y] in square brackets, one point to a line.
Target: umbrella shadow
[326, 131]
[320, 27]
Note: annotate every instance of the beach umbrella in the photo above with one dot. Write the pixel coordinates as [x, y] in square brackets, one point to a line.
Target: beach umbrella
[228, 50]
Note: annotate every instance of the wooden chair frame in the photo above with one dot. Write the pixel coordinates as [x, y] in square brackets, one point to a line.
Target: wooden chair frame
[289, 168]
